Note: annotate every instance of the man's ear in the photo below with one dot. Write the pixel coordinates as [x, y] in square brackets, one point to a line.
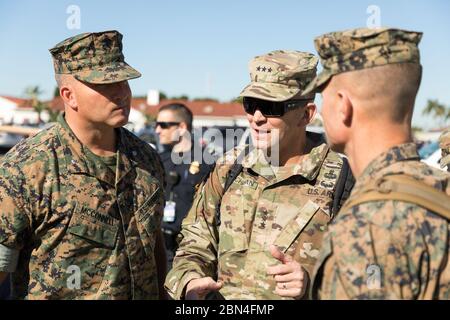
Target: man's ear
[183, 126]
[66, 91]
[344, 107]
[308, 113]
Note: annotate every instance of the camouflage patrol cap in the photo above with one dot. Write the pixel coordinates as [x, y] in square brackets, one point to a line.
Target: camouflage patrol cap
[280, 75]
[363, 48]
[93, 57]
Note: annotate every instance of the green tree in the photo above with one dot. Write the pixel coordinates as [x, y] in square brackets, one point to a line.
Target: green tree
[238, 99]
[182, 97]
[56, 92]
[416, 129]
[437, 111]
[52, 114]
[162, 96]
[33, 94]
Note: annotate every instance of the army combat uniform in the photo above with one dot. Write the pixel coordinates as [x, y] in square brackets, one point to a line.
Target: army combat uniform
[385, 248]
[84, 226]
[288, 206]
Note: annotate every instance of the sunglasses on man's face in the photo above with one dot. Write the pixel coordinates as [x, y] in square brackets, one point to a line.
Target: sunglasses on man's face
[270, 108]
[166, 125]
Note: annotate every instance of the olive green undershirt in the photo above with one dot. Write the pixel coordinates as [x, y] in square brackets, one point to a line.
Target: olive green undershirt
[110, 161]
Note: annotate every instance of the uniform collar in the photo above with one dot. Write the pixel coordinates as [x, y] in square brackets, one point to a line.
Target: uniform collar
[403, 152]
[78, 163]
[308, 166]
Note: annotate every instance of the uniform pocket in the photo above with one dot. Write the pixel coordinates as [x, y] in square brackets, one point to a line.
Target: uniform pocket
[94, 226]
[233, 237]
[149, 214]
[293, 228]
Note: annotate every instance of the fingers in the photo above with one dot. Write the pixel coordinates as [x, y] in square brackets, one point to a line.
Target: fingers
[289, 277]
[198, 288]
[281, 269]
[277, 254]
[289, 292]
[296, 284]
[293, 289]
[214, 286]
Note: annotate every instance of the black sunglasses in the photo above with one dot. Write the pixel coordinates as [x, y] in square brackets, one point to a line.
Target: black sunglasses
[166, 125]
[270, 108]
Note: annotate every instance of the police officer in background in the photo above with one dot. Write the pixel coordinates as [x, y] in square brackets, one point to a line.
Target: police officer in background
[184, 169]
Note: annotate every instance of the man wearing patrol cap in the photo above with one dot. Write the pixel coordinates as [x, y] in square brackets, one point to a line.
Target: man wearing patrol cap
[255, 228]
[82, 201]
[391, 238]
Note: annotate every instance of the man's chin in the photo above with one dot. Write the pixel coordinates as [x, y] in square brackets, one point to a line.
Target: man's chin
[117, 123]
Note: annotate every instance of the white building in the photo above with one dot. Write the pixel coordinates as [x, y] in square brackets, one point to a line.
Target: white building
[17, 111]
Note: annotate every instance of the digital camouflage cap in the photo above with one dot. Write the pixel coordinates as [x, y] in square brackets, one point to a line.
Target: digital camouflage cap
[281, 75]
[363, 48]
[93, 57]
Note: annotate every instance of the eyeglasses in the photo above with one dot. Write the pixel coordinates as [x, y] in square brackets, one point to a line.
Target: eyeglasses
[166, 125]
[270, 108]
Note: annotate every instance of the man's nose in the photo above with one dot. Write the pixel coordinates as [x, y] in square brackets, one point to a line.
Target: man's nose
[258, 116]
[121, 90]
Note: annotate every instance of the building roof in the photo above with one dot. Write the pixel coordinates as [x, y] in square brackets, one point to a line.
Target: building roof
[202, 108]
[21, 103]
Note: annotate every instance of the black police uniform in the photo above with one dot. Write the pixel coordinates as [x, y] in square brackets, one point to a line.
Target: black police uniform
[182, 191]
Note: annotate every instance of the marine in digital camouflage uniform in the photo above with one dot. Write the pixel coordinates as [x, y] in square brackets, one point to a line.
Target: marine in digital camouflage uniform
[444, 144]
[67, 211]
[287, 206]
[381, 249]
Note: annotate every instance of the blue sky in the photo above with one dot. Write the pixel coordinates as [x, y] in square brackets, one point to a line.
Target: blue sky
[202, 47]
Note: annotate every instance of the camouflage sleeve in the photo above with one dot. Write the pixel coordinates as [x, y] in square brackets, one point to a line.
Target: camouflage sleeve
[156, 167]
[196, 256]
[15, 216]
[379, 250]
[8, 259]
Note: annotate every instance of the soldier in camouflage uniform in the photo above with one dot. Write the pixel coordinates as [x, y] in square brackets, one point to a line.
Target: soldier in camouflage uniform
[82, 201]
[444, 144]
[273, 215]
[380, 247]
